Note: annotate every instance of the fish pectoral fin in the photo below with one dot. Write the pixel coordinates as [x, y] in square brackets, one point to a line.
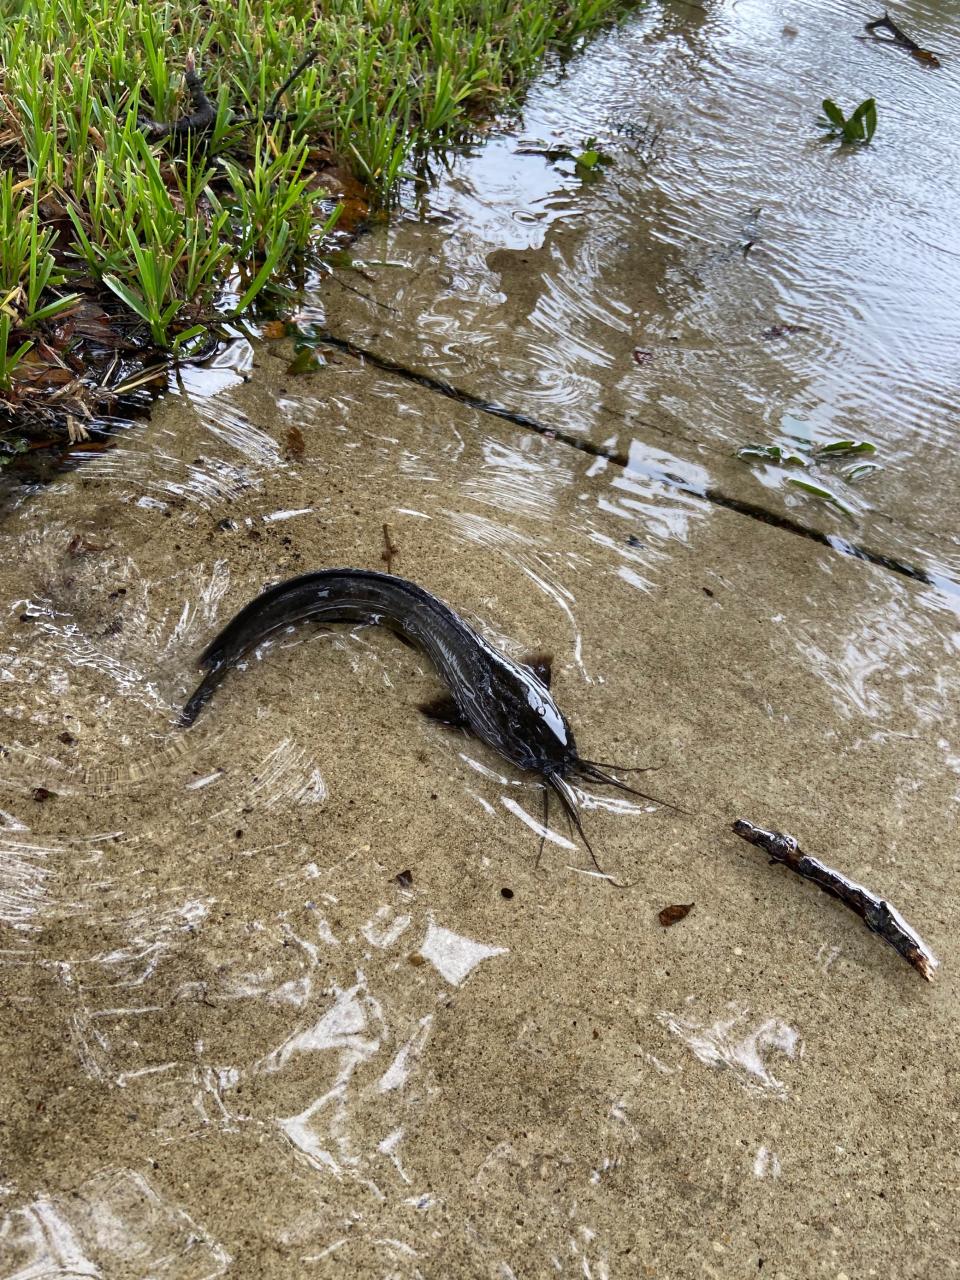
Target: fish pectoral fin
[541, 664]
[445, 711]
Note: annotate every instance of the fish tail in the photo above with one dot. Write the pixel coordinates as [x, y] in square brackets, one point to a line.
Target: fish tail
[200, 697]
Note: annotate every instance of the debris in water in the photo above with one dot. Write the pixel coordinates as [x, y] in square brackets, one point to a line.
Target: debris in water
[673, 915]
[899, 38]
[41, 793]
[783, 331]
[78, 546]
[294, 442]
[390, 549]
[876, 913]
[642, 357]
[404, 879]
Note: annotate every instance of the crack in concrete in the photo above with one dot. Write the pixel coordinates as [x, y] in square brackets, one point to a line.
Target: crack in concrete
[712, 495]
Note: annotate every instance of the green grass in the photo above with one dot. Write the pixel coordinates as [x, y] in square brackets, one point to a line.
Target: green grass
[87, 203]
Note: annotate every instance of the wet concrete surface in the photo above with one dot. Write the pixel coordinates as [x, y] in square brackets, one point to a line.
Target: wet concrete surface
[649, 307]
[289, 993]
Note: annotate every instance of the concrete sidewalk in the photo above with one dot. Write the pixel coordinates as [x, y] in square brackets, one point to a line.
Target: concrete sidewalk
[222, 1004]
[290, 994]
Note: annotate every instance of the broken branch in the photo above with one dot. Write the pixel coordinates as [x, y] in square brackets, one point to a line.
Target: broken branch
[200, 120]
[876, 913]
[898, 37]
[204, 114]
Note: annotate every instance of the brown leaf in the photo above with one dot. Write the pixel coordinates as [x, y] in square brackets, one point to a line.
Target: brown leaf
[295, 444]
[641, 356]
[671, 915]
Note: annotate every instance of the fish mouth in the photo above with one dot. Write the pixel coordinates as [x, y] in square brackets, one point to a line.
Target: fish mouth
[593, 771]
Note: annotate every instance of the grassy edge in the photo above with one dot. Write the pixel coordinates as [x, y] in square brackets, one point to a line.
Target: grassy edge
[113, 221]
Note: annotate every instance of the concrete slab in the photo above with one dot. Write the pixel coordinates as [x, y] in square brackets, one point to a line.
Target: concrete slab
[620, 306]
[234, 1041]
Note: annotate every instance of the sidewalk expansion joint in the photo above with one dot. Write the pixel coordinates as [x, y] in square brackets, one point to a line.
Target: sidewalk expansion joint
[714, 496]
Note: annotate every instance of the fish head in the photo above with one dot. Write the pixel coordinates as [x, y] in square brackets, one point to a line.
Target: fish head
[524, 723]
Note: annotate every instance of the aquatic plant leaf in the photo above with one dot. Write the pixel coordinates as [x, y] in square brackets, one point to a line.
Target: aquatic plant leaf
[588, 159]
[822, 492]
[307, 360]
[847, 446]
[773, 453]
[860, 470]
[132, 299]
[833, 113]
[674, 914]
[864, 114]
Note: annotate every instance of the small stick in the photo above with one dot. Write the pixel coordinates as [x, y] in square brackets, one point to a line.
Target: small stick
[203, 116]
[297, 70]
[898, 37]
[876, 913]
[886, 23]
[389, 549]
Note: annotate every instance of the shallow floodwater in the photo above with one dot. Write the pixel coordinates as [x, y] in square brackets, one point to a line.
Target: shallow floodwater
[291, 993]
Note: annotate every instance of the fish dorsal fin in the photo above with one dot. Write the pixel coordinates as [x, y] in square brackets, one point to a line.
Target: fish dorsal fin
[541, 664]
[445, 711]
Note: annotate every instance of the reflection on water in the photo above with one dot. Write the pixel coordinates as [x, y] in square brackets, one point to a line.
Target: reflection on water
[293, 985]
[739, 1044]
[776, 287]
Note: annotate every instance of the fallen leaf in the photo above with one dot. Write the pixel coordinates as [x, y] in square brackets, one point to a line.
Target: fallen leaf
[641, 356]
[295, 443]
[671, 915]
[306, 360]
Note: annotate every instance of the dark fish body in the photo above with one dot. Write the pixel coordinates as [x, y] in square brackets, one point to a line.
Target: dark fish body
[504, 702]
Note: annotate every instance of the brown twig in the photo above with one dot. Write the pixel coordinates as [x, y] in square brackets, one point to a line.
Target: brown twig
[204, 114]
[876, 913]
[389, 549]
[898, 37]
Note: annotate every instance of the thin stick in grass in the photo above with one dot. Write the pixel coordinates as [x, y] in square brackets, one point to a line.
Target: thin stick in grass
[876, 913]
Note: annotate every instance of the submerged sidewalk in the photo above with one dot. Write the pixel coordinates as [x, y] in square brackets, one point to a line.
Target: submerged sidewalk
[290, 993]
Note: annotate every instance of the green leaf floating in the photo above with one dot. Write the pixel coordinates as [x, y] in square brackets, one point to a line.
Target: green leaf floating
[820, 491]
[773, 453]
[847, 446]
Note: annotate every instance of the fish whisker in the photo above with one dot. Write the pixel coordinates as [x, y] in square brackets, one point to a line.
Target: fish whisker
[570, 807]
[591, 772]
